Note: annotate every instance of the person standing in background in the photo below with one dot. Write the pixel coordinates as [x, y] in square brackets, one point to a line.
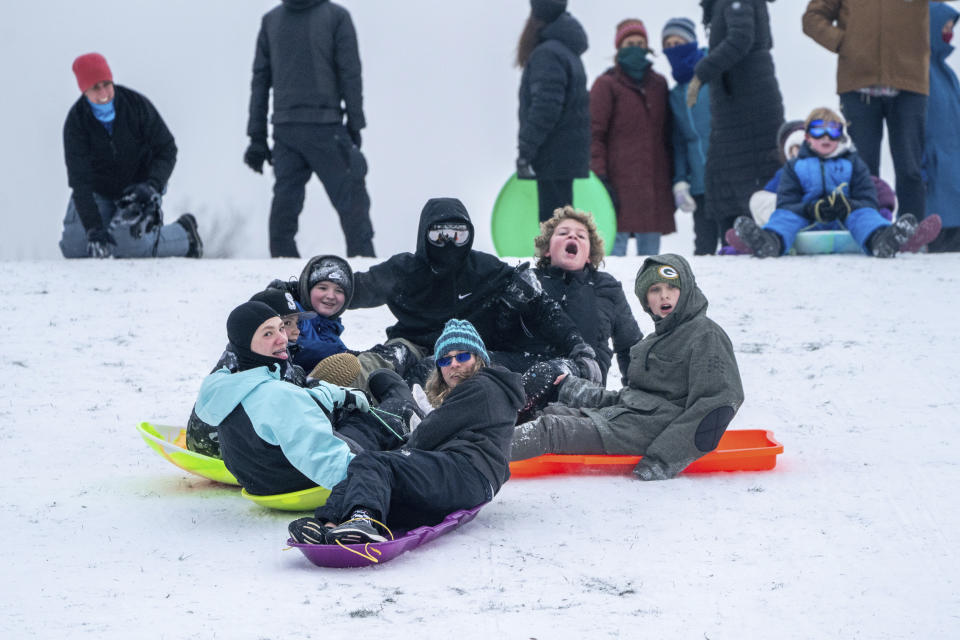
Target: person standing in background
[691, 132]
[746, 107]
[554, 138]
[630, 148]
[941, 153]
[307, 53]
[883, 59]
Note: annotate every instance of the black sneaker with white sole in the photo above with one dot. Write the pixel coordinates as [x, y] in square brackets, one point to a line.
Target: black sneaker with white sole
[765, 244]
[308, 531]
[886, 242]
[189, 224]
[355, 531]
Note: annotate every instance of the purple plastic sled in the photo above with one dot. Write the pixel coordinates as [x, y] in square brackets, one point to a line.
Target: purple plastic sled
[363, 555]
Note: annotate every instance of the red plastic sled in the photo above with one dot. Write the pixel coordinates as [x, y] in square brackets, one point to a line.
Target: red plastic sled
[739, 450]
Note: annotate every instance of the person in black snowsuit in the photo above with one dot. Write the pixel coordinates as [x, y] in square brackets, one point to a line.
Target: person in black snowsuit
[746, 107]
[456, 458]
[307, 53]
[119, 155]
[554, 136]
[447, 279]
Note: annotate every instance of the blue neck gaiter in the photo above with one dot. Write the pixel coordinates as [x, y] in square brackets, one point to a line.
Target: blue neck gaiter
[105, 113]
[683, 59]
[634, 62]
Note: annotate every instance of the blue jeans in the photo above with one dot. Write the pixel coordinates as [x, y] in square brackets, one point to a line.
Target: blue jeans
[906, 118]
[861, 223]
[170, 240]
[648, 244]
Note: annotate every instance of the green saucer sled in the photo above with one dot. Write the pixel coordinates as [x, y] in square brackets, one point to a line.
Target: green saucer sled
[515, 221]
[171, 444]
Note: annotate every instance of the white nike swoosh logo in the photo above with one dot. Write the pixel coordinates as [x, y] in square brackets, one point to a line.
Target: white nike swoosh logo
[465, 295]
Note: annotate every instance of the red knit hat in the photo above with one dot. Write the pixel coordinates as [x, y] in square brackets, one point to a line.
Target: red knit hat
[91, 68]
[629, 27]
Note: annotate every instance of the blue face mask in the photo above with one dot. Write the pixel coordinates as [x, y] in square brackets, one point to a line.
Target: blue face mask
[634, 62]
[683, 59]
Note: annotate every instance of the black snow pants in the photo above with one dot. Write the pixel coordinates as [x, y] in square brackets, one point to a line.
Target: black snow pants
[299, 151]
[407, 487]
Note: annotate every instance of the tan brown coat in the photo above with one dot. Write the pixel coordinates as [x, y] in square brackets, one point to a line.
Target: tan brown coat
[878, 42]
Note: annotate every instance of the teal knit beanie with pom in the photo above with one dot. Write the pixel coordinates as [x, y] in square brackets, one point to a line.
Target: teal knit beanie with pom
[460, 335]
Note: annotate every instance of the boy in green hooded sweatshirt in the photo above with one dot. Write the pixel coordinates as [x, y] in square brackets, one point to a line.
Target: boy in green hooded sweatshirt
[683, 387]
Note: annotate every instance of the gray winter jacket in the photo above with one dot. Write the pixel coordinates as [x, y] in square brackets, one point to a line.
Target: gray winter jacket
[683, 385]
[307, 52]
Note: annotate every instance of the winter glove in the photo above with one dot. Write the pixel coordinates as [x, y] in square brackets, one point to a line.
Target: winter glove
[682, 198]
[355, 400]
[522, 288]
[586, 359]
[138, 209]
[256, 154]
[834, 207]
[525, 170]
[693, 90]
[100, 243]
[354, 135]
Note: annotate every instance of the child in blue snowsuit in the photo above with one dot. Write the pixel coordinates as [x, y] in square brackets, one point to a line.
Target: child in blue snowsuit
[826, 187]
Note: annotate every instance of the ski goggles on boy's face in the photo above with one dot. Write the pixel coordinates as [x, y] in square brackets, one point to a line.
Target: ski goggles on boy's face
[830, 128]
[455, 232]
[461, 357]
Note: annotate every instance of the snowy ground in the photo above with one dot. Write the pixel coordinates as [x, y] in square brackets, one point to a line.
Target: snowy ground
[852, 362]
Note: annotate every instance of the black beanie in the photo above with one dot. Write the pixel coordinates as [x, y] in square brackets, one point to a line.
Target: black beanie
[244, 320]
[547, 10]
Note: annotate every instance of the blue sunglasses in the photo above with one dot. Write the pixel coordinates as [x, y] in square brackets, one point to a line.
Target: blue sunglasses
[462, 357]
[831, 129]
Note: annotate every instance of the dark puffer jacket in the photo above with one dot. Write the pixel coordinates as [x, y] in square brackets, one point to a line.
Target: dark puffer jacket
[554, 104]
[141, 149]
[307, 52]
[745, 105]
[631, 125]
[595, 302]
[476, 422]
[479, 287]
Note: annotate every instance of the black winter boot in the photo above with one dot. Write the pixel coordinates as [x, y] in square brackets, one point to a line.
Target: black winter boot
[765, 244]
[189, 224]
[359, 529]
[885, 242]
[308, 531]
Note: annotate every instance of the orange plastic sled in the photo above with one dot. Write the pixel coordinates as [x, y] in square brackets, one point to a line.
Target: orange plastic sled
[739, 450]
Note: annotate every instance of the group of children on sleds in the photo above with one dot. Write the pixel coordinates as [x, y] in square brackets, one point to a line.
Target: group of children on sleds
[487, 363]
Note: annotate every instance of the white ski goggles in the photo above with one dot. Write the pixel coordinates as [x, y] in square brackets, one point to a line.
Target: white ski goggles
[456, 232]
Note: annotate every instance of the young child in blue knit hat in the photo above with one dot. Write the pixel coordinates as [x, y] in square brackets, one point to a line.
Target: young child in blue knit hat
[457, 458]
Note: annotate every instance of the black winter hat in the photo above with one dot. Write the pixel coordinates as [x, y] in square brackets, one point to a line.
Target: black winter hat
[244, 321]
[281, 301]
[332, 270]
[547, 10]
[784, 132]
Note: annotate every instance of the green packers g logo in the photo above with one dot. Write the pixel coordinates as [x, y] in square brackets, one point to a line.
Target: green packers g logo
[668, 272]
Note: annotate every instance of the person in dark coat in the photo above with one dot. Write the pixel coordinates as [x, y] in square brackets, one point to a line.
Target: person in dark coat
[630, 143]
[119, 155]
[456, 458]
[446, 278]
[942, 148]
[683, 387]
[746, 108]
[691, 132]
[554, 137]
[307, 53]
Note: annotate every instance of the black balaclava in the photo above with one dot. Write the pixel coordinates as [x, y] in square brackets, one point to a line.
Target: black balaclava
[242, 324]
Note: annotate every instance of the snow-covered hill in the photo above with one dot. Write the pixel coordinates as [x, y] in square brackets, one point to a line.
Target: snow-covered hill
[852, 362]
